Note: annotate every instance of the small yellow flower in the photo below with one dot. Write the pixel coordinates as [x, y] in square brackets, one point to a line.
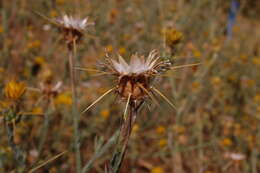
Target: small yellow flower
[39, 60]
[243, 58]
[215, 81]
[109, 48]
[162, 143]
[250, 82]
[135, 128]
[257, 98]
[196, 53]
[14, 90]
[53, 13]
[105, 113]
[208, 172]
[227, 142]
[157, 170]
[60, 2]
[2, 70]
[173, 37]
[63, 98]
[1, 29]
[256, 61]
[34, 44]
[160, 130]
[37, 110]
[195, 86]
[126, 37]
[122, 50]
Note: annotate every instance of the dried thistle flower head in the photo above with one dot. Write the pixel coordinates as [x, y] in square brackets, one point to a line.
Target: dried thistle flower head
[134, 79]
[49, 90]
[72, 27]
[14, 90]
[173, 37]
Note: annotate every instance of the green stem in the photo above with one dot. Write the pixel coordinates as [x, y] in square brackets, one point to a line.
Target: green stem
[18, 153]
[45, 128]
[72, 54]
[97, 155]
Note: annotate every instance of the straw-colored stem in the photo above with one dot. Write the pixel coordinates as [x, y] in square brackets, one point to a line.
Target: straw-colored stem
[45, 128]
[72, 53]
[125, 134]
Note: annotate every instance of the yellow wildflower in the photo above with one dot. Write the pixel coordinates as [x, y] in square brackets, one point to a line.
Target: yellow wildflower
[257, 98]
[195, 86]
[157, 170]
[196, 53]
[208, 172]
[162, 142]
[37, 111]
[227, 142]
[63, 98]
[122, 50]
[256, 61]
[126, 37]
[14, 90]
[173, 37]
[215, 81]
[60, 2]
[109, 48]
[160, 130]
[105, 113]
[243, 58]
[39, 60]
[1, 29]
[2, 70]
[53, 13]
[135, 128]
[34, 44]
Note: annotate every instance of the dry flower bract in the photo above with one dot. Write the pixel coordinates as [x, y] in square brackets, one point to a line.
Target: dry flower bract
[136, 77]
[14, 90]
[72, 27]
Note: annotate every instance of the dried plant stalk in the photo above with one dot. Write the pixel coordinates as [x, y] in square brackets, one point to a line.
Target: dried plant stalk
[75, 114]
[125, 133]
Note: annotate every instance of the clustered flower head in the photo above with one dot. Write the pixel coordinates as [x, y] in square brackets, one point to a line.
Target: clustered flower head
[14, 90]
[49, 90]
[173, 37]
[134, 79]
[72, 27]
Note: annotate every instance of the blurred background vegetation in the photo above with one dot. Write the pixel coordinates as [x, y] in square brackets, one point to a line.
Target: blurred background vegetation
[215, 127]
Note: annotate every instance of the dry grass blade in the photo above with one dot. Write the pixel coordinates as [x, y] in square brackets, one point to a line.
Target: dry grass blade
[164, 97]
[187, 65]
[33, 89]
[97, 100]
[45, 17]
[89, 69]
[29, 113]
[149, 94]
[47, 161]
[127, 103]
